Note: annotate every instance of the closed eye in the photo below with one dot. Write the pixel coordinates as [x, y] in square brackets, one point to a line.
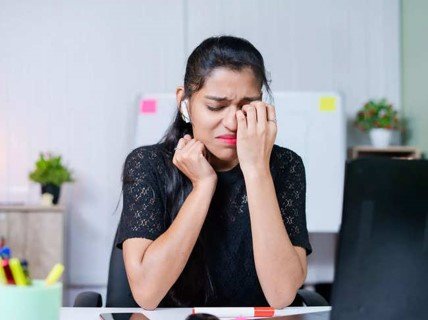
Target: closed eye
[216, 108]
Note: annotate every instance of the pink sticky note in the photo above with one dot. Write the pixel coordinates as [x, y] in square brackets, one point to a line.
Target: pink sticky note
[148, 106]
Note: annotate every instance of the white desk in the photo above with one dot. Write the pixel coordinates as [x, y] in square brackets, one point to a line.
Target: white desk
[160, 314]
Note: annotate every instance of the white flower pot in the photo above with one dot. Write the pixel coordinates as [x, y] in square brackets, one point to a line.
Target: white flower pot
[380, 138]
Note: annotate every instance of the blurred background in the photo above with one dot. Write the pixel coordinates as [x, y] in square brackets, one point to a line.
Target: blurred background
[89, 80]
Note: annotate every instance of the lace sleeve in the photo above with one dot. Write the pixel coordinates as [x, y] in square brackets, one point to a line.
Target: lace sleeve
[142, 213]
[291, 193]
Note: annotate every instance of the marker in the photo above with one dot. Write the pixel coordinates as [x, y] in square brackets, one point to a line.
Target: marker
[55, 274]
[8, 272]
[237, 312]
[24, 265]
[5, 253]
[3, 279]
[17, 272]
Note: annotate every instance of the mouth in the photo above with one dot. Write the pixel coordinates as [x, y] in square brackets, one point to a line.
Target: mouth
[230, 140]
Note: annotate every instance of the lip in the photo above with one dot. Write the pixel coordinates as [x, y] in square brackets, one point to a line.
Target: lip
[229, 139]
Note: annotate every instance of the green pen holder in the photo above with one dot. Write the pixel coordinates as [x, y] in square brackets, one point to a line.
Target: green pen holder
[36, 302]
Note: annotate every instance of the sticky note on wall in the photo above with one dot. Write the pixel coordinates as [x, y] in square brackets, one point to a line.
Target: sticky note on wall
[327, 104]
[148, 106]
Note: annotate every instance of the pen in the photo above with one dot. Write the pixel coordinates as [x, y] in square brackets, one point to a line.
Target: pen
[55, 274]
[17, 272]
[3, 279]
[238, 312]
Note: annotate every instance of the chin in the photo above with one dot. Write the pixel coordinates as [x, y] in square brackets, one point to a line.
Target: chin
[225, 154]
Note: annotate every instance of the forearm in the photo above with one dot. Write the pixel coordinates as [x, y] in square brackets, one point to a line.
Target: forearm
[166, 257]
[278, 267]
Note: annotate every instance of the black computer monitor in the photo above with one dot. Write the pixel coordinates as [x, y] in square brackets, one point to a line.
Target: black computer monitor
[382, 259]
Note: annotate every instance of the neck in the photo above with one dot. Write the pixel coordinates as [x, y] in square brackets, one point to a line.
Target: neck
[221, 165]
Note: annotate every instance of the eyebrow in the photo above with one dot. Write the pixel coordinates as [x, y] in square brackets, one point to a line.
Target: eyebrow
[225, 99]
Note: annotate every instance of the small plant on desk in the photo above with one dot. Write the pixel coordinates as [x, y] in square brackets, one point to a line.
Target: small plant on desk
[51, 174]
[379, 118]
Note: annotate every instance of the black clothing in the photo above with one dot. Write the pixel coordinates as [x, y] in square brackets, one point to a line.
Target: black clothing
[227, 228]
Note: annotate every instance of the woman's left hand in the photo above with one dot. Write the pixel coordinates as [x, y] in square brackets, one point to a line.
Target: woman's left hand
[256, 136]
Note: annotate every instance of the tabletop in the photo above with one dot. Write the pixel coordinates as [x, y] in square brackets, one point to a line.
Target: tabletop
[164, 313]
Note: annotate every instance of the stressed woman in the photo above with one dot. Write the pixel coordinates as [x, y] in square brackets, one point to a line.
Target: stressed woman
[214, 214]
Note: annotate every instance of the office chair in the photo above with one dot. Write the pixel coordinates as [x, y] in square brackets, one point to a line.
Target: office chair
[119, 293]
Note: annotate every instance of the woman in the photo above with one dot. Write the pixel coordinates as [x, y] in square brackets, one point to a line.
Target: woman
[214, 214]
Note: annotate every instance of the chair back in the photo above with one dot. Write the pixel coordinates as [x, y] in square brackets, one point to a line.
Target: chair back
[119, 293]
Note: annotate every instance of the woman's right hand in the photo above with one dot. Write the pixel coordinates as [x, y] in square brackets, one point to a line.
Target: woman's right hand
[190, 157]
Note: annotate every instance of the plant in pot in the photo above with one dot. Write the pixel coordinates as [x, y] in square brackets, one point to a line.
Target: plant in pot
[51, 174]
[378, 118]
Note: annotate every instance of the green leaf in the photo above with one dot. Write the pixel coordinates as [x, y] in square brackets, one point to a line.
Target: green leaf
[49, 169]
[377, 114]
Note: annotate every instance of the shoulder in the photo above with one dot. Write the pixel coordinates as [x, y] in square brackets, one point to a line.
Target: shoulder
[287, 168]
[144, 158]
[283, 157]
[143, 153]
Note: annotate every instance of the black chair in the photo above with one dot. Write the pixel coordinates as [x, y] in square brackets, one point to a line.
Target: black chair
[119, 293]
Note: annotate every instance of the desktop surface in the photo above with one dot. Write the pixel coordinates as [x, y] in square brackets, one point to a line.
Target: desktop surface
[324, 315]
[165, 313]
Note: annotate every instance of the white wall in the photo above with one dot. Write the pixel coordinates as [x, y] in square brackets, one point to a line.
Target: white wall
[348, 46]
[71, 73]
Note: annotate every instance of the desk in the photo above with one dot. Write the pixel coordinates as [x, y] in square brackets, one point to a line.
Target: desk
[159, 314]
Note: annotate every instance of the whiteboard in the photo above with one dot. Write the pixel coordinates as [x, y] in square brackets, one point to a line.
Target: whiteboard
[314, 126]
[310, 123]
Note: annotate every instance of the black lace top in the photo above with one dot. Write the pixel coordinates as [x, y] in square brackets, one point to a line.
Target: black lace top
[227, 226]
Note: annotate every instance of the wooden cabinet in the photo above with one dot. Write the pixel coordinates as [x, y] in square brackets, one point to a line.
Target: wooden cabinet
[396, 152]
[36, 234]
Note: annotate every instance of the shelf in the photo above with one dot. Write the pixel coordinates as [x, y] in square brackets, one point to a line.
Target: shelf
[394, 152]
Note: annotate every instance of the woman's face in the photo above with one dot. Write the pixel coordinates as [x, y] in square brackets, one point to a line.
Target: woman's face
[213, 112]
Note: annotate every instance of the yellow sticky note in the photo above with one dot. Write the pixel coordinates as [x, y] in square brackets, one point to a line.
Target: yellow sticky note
[327, 104]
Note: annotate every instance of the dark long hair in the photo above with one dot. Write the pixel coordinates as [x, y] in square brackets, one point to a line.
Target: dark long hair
[194, 286]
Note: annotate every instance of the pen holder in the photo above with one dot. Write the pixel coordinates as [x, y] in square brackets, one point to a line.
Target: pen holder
[36, 302]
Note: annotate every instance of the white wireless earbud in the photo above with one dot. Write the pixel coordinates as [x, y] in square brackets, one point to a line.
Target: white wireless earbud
[184, 111]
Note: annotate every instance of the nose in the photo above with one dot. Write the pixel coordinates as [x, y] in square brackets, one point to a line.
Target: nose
[229, 120]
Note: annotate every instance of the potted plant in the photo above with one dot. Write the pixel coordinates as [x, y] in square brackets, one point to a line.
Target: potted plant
[379, 118]
[51, 174]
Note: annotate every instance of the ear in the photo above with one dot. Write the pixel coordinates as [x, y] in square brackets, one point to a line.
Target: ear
[179, 94]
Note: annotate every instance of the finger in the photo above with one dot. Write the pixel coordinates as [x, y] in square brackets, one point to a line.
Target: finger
[178, 151]
[188, 145]
[271, 114]
[180, 145]
[261, 114]
[251, 117]
[188, 137]
[197, 147]
[242, 122]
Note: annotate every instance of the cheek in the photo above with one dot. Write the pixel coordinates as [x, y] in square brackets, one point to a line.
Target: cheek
[206, 128]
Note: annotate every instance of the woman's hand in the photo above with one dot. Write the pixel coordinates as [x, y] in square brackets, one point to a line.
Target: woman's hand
[191, 158]
[256, 136]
